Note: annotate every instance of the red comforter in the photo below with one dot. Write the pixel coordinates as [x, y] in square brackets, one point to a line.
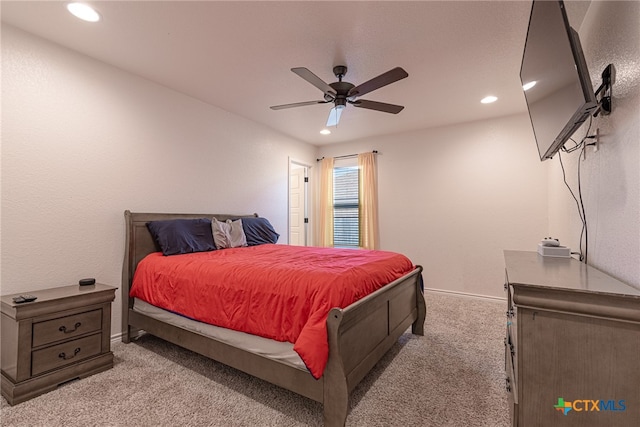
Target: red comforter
[275, 291]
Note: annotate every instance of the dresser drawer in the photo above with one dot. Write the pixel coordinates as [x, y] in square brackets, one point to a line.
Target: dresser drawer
[66, 353]
[66, 327]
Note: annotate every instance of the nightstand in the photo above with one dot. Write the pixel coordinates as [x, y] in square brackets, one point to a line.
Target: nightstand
[65, 334]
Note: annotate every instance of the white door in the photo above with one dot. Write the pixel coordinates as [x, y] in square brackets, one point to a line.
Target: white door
[297, 229]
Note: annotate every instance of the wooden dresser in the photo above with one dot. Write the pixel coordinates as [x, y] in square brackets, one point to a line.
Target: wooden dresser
[63, 335]
[572, 347]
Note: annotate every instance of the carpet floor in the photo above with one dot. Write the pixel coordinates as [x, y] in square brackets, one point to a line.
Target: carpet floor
[451, 376]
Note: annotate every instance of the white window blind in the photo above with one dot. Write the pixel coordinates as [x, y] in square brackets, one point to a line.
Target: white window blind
[346, 220]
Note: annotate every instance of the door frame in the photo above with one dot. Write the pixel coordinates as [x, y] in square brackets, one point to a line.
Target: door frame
[307, 172]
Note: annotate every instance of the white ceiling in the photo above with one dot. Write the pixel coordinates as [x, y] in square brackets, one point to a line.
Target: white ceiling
[237, 55]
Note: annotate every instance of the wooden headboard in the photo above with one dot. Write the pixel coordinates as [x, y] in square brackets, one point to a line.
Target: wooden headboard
[139, 243]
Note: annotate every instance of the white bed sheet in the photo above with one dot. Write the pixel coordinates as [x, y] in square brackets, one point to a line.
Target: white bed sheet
[281, 351]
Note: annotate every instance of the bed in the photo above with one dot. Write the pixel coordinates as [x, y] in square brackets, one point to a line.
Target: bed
[357, 335]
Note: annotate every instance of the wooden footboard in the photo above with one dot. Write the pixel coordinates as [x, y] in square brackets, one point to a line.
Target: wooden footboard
[359, 335]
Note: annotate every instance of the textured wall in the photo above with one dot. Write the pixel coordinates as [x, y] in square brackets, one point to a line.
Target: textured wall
[83, 141]
[611, 176]
[453, 198]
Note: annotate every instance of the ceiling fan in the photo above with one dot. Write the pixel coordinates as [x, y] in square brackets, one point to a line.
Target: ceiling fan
[340, 93]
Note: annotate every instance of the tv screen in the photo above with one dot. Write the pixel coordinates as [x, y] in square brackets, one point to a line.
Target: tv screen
[562, 97]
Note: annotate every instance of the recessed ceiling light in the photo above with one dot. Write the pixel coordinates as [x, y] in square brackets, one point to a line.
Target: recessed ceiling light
[84, 12]
[529, 85]
[489, 99]
[325, 131]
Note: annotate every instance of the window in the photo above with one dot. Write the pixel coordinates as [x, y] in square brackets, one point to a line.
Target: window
[346, 213]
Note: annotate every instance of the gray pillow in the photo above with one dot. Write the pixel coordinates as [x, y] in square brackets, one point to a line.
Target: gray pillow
[220, 235]
[228, 234]
[237, 237]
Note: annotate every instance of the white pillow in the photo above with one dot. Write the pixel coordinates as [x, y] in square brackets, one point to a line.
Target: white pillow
[220, 234]
[228, 234]
[236, 233]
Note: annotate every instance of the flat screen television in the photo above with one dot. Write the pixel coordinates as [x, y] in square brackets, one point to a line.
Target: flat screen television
[562, 97]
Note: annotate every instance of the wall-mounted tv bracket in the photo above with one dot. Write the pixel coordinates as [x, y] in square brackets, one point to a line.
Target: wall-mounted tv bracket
[604, 102]
[604, 105]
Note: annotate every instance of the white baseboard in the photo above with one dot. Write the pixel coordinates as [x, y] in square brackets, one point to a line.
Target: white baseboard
[465, 294]
[116, 338]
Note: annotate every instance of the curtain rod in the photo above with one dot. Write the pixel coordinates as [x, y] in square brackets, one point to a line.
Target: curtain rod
[345, 156]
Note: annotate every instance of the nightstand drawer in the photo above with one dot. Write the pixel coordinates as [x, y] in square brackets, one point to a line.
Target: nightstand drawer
[66, 353]
[66, 327]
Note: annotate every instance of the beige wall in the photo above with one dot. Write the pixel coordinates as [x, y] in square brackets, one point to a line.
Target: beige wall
[453, 198]
[83, 141]
[610, 176]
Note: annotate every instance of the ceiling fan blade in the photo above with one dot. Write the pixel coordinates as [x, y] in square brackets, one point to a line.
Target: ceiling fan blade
[334, 116]
[384, 79]
[314, 80]
[378, 106]
[297, 104]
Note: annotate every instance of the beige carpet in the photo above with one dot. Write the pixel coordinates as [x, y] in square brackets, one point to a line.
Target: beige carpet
[452, 376]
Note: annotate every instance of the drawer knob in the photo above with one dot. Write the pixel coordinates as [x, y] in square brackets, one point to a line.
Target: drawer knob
[65, 357]
[63, 328]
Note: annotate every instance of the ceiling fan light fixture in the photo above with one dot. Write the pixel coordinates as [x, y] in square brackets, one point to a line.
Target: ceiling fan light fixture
[341, 92]
[334, 116]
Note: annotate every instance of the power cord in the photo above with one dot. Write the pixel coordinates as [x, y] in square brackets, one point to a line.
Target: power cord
[584, 236]
[580, 206]
[579, 145]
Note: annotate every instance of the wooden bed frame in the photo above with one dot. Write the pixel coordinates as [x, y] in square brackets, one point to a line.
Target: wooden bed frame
[359, 335]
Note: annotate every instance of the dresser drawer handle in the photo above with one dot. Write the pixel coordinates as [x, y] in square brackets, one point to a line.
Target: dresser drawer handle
[65, 357]
[64, 328]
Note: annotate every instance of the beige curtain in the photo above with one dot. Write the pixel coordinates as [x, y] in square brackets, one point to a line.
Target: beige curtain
[326, 202]
[368, 193]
